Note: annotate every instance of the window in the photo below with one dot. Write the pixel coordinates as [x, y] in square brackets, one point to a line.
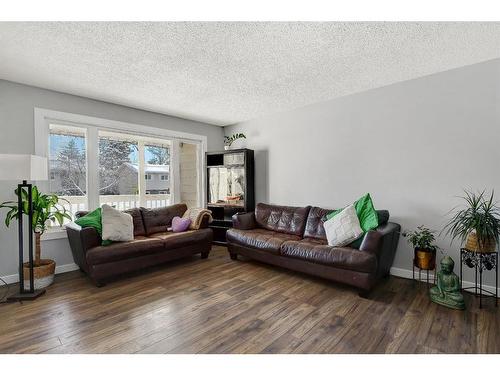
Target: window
[68, 165]
[157, 166]
[118, 170]
[94, 161]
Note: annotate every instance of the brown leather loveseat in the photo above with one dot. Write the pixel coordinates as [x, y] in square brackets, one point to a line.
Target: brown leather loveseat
[152, 244]
[294, 238]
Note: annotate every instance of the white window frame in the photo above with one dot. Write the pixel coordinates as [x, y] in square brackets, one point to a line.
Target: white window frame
[44, 117]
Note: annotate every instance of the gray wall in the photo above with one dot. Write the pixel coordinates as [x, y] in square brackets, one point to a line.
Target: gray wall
[413, 145]
[16, 136]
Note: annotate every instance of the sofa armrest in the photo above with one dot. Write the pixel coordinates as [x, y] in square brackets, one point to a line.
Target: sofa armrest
[244, 221]
[382, 242]
[204, 222]
[80, 241]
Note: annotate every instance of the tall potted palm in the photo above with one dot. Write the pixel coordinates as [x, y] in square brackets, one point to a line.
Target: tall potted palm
[477, 225]
[46, 210]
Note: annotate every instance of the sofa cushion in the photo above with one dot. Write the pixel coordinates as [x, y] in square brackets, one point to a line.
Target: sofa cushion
[122, 250]
[159, 219]
[283, 219]
[116, 225]
[317, 216]
[314, 224]
[259, 238]
[367, 215]
[136, 214]
[344, 228]
[318, 251]
[173, 240]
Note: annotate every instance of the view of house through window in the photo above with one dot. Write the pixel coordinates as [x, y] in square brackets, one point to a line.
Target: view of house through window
[118, 170]
[122, 159]
[125, 170]
[157, 161]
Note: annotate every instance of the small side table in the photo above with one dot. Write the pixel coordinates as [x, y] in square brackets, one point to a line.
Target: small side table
[480, 262]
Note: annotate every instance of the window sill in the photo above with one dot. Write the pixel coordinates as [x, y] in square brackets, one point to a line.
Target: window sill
[54, 234]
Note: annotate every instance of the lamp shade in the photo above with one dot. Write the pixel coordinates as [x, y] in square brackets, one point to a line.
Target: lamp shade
[19, 167]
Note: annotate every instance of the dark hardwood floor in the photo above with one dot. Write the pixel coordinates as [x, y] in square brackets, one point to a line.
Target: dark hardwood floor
[222, 306]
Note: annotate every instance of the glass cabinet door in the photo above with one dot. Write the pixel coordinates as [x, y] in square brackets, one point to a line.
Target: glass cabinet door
[227, 186]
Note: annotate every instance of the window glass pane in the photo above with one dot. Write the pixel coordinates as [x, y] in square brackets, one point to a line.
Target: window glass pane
[157, 168]
[226, 186]
[68, 165]
[118, 170]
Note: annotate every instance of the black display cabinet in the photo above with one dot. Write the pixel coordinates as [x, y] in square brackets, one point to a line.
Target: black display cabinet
[230, 188]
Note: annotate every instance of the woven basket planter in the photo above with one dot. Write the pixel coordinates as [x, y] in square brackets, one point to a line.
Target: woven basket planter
[43, 274]
[488, 246]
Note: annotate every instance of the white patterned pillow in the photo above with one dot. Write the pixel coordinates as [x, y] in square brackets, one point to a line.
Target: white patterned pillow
[343, 228]
[116, 225]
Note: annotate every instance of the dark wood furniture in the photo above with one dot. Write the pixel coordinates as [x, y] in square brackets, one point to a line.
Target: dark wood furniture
[479, 262]
[230, 188]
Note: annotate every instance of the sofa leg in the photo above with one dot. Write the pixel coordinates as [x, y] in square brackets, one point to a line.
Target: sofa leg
[365, 294]
[99, 284]
[233, 256]
[204, 254]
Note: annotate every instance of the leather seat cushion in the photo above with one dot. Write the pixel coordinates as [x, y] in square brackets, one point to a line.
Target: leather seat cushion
[122, 250]
[173, 240]
[318, 251]
[157, 220]
[261, 239]
[284, 219]
[314, 223]
[136, 214]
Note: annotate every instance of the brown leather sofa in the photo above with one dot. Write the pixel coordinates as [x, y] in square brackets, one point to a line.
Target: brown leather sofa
[152, 244]
[294, 238]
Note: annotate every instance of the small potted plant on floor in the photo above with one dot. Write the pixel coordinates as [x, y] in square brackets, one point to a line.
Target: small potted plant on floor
[228, 141]
[477, 225]
[46, 210]
[422, 241]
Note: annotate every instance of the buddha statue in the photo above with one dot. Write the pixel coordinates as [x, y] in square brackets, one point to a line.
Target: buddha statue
[446, 292]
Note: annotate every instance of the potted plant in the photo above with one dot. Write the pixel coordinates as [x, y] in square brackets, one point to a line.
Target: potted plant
[46, 209]
[477, 224]
[228, 141]
[422, 241]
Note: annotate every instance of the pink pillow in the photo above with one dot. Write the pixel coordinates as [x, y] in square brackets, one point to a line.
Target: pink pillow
[179, 224]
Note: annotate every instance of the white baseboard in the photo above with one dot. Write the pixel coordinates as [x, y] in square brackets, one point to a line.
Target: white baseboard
[12, 279]
[407, 274]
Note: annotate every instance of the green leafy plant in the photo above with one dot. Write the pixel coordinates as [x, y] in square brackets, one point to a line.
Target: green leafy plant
[46, 208]
[423, 238]
[228, 141]
[480, 215]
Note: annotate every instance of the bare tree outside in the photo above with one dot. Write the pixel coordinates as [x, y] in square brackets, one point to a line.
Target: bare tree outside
[112, 155]
[158, 155]
[68, 165]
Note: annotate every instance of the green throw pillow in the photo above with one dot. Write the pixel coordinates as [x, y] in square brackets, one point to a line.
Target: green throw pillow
[94, 220]
[368, 218]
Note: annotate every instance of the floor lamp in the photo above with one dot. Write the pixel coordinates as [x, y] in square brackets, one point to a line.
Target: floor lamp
[16, 167]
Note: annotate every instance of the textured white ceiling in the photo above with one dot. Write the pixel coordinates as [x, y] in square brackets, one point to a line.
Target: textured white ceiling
[223, 73]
